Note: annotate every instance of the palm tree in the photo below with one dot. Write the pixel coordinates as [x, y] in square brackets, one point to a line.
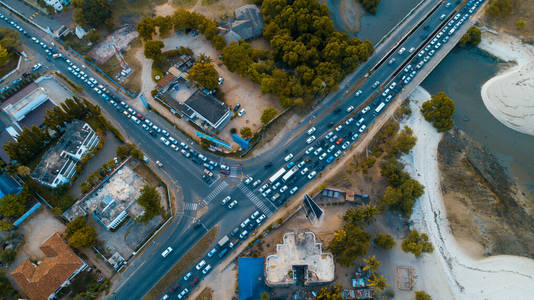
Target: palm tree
[372, 264]
[378, 283]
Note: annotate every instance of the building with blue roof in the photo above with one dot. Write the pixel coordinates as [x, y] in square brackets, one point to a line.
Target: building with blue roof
[251, 279]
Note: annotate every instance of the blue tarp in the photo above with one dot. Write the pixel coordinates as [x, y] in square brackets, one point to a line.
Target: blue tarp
[8, 185]
[240, 141]
[251, 280]
[27, 214]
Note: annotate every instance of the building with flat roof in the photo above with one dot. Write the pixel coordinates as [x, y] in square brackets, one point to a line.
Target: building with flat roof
[58, 163]
[42, 280]
[206, 110]
[299, 260]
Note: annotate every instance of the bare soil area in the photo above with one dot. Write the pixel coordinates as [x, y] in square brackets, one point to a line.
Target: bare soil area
[482, 203]
[522, 10]
[37, 230]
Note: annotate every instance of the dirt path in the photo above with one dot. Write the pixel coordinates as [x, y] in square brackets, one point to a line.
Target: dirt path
[496, 277]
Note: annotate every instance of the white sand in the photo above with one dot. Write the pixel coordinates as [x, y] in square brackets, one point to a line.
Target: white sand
[496, 277]
[509, 96]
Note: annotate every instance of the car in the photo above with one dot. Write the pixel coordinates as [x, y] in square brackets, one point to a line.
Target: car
[224, 172]
[328, 135]
[338, 153]
[345, 145]
[290, 165]
[260, 219]
[339, 128]
[254, 215]
[256, 183]
[437, 45]
[288, 157]
[366, 109]
[236, 107]
[358, 93]
[159, 163]
[263, 188]
[232, 204]
[311, 130]
[201, 264]
[350, 108]
[388, 98]
[283, 189]
[391, 61]
[332, 139]
[194, 281]
[202, 157]
[183, 293]
[242, 112]
[174, 287]
[376, 84]
[309, 150]
[304, 171]
[322, 156]
[293, 190]
[362, 129]
[310, 139]
[329, 159]
[220, 81]
[243, 234]
[412, 49]
[245, 223]
[226, 200]
[339, 141]
[187, 276]
[166, 252]
[442, 17]
[248, 180]
[401, 51]
[185, 153]
[164, 141]
[319, 150]
[206, 269]
[312, 174]
[212, 252]
[331, 148]
[165, 133]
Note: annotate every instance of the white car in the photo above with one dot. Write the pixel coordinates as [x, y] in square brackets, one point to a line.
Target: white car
[311, 130]
[362, 129]
[350, 108]
[166, 252]
[365, 109]
[183, 293]
[206, 269]
[260, 219]
[309, 150]
[358, 93]
[200, 265]
[345, 146]
[226, 200]
[310, 139]
[283, 189]
[293, 190]
[300, 164]
[256, 183]
[220, 81]
[187, 276]
[164, 141]
[338, 153]
[248, 180]
[401, 51]
[322, 156]
[242, 112]
[288, 157]
[312, 174]
[232, 204]
[339, 127]
[304, 171]
[319, 150]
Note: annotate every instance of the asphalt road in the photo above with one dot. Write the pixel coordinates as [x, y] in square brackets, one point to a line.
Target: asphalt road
[146, 270]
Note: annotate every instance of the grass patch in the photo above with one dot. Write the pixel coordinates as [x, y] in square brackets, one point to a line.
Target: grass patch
[206, 294]
[11, 64]
[149, 175]
[131, 11]
[82, 46]
[182, 265]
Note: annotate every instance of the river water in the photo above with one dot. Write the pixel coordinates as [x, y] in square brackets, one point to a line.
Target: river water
[461, 75]
[374, 27]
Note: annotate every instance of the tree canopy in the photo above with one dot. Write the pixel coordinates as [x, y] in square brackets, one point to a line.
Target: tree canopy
[417, 243]
[349, 243]
[9, 39]
[268, 114]
[91, 12]
[422, 295]
[205, 75]
[150, 200]
[472, 37]
[246, 132]
[370, 5]
[384, 241]
[499, 8]
[333, 293]
[7, 291]
[362, 215]
[439, 111]
[153, 49]
[80, 234]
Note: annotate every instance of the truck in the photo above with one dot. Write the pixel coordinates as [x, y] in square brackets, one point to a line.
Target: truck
[290, 173]
[379, 107]
[277, 175]
[223, 241]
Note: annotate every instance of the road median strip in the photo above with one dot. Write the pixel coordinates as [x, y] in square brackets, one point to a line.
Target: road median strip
[182, 265]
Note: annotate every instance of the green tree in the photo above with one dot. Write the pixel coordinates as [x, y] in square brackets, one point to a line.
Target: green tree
[265, 296]
[7, 256]
[164, 24]
[439, 111]
[153, 50]
[384, 241]
[205, 75]
[146, 28]
[23, 171]
[370, 5]
[520, 24]
[237, 57]
[378, 283]
[372, 264]
[83, 238]
[472, 37]
[91, 12]
[4, 56]
[362, 215]
[405, 141]
[499, 8]
[334, 293]
[93, 36]
[349, 243]
[422, 295]
[150, 200]
[9, 39]
[12, 206]
[7, 291]
[246, 132]
[75, 225]
[417, 243]
[268, 114]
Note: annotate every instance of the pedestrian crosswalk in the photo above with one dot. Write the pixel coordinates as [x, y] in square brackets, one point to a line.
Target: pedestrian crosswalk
[191, 206]
[221, 186]
[235, 171]
[257, 201]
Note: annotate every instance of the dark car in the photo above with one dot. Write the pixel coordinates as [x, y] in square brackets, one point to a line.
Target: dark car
[268, 165]
[235, 231]
[194, 281]
[174, 288]
[236, 107]
[225, 172]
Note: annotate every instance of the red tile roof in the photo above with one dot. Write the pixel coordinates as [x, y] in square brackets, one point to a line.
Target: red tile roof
[38, 282]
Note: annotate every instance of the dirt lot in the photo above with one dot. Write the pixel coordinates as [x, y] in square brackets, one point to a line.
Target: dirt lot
[37, 229]
[522, 10]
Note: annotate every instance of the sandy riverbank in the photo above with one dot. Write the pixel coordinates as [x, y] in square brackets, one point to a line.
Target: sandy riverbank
[468, 277]
[509, 95]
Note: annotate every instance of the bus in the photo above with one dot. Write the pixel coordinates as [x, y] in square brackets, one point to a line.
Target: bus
[379, 107]
[290, 173]
[277, 175]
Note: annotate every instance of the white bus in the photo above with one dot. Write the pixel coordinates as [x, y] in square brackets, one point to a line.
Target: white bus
[379, 107]
[290, 173]
[277, 175]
